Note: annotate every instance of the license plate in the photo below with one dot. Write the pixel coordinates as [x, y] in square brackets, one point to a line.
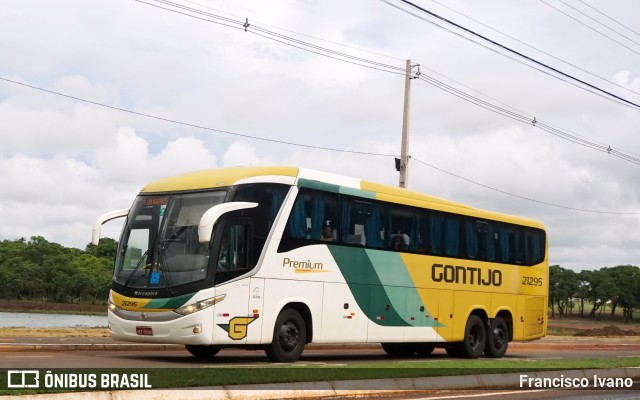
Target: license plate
[144, 330]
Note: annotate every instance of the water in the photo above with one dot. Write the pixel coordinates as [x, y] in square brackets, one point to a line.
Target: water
[37, 320]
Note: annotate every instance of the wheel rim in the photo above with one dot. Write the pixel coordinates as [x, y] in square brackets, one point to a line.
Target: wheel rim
[289, 336]
[474, 338]
[499, 337]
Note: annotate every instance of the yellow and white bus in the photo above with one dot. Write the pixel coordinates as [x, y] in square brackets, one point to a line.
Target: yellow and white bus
[275, 258]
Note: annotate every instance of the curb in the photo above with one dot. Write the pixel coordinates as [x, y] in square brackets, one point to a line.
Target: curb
[19, 347]
[509, 381]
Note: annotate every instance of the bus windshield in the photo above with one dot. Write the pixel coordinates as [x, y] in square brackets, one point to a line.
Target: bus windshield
[159, 247]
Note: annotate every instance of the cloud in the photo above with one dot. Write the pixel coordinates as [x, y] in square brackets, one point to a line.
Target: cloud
[59, 197]
[64, 162]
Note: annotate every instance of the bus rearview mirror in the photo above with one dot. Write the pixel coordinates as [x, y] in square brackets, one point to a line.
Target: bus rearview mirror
[209, 218]
[97, 226]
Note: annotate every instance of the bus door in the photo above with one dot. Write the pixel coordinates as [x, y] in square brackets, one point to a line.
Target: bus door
[387, 310]
[534, 316]
[233, 318]
[427, 308]
[444, 314]
[342, 317]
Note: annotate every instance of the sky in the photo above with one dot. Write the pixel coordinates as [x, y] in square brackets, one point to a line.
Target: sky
[98, 98]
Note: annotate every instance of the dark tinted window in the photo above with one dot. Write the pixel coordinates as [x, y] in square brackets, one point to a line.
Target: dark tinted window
[322, 216]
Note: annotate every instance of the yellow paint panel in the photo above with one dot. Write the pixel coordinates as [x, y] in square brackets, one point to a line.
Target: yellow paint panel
[416, 199]
[130, 303]
[404, 196]
[214, 178]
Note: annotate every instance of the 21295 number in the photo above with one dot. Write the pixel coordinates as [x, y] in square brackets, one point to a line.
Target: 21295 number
[531, 281]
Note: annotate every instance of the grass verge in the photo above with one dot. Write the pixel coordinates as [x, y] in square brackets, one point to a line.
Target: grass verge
[290, 373]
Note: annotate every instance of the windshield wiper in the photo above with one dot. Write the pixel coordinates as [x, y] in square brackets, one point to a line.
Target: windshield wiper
[144, 255]
[162, 260]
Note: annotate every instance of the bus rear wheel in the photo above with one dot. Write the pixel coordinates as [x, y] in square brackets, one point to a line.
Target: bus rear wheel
[497, 338]
[398, 349]
[202, 351]
[289, 337]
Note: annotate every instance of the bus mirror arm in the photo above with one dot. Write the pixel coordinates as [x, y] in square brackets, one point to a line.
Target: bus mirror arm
[97, 226]
[209, 218]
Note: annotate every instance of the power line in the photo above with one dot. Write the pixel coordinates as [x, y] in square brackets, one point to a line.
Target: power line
[537, 68]
[606, 16]
[563, 134]
[590, 27]
[537, 49]
[302, 34]
[191, 125]
[277, 37]
[518, 196]
[173, 121]
[450, 89]
[598, 22]
[585, 84]
[302, 45]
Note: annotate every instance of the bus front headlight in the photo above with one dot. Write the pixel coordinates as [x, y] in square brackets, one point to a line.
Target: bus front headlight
[199, 305]
[113, 308]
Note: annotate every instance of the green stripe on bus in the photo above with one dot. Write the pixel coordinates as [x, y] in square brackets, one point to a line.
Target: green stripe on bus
[171, 302]
[365, 270]
[357, 269]
[392, 270]
[311, 184]
[357, 192]
[327, 187]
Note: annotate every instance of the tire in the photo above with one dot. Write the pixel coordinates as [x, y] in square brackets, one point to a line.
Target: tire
[398, 349]
[202, 351]
[475, 338]
[289, 337]
[453, 350]
[497, 338]
[424, 349]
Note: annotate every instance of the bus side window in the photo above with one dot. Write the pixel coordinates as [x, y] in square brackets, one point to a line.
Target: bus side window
[445, 234]
[313, 219]
[480, 240]
[234, 251]
[361, 222]
[403, 235]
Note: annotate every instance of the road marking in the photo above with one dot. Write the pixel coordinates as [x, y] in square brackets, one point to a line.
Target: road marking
[483, 394]
[28, 357]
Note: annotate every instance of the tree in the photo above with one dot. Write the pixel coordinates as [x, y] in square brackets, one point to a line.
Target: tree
[106, 248]
[625, 279]
[45, 271]
[600, 289]
[563, 285]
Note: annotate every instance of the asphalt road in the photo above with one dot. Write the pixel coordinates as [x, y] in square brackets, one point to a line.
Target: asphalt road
[81, 353]
[126, 356]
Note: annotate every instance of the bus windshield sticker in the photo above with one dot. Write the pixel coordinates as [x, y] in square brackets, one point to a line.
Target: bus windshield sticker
[155, 278]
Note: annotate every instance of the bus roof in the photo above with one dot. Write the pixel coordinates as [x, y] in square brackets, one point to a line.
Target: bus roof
[224, 177]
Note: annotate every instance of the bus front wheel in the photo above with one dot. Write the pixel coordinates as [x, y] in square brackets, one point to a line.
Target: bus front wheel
[289, 337]
[202, 351]
[497, 338]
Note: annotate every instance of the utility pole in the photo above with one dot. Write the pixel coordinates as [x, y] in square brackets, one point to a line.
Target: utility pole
[404, 150]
